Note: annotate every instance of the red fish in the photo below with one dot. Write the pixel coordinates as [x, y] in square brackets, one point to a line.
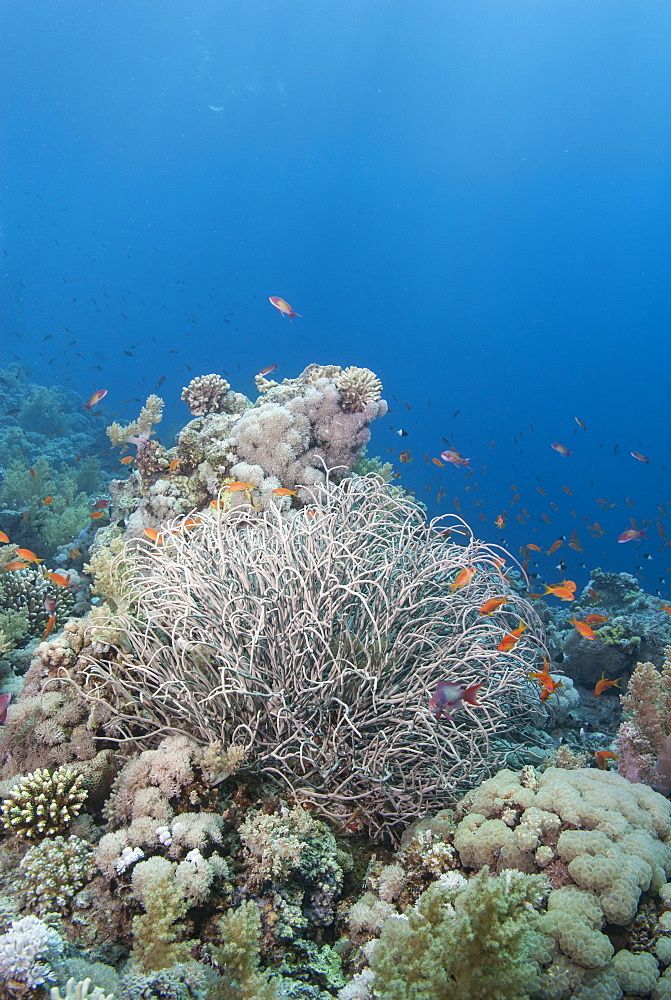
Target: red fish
[283, 306]
[447, 698]
[4, 705]
[49, 628]
[561, 449]
[632, 535]
[95, 398]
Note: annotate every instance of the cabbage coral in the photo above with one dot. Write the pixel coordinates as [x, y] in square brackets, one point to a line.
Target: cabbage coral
[315, 638]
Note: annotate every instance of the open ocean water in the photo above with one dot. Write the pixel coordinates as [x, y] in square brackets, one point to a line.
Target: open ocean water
[471, 198]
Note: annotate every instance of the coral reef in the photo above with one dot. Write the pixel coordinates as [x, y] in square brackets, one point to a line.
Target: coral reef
[321, 655]
[644, 739]
[52, 872]
[25, 595]
[41, 803]
[28, 952]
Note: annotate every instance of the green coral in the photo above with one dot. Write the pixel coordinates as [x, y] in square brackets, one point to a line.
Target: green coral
[238, 957]
[48, 525]
[463, 941]
[155, 932]
[52, 872]
[366, 465]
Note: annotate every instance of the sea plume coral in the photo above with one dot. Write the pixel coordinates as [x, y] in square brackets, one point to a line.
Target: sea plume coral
[315, 637]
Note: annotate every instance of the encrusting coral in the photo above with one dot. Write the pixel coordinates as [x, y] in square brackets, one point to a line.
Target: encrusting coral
[321, 654]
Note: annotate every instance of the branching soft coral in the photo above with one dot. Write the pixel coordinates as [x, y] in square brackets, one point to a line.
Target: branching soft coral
[463, 941]
[646, 736]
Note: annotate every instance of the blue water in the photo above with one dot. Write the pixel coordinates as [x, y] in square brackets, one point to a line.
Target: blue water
[471, 198]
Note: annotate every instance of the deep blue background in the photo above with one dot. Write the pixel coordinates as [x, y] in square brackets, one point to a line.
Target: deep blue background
[471, 198]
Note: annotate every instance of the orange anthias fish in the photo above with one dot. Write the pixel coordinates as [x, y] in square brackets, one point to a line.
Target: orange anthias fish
[95, 398]
[15, 565]
[534, 547]
[596, 619]
[48, 500]
[639, 458]
[50, 625]
[155, 535]
[282, 491]
[602, 757]
[555, 545]
[270, 368]
[562, 592]
[490, 606]
[561, 449]
[28, 556]
[283, 306]
[174, 464]
[499, 522]
[464, 577]
[58, 579]
[583, 628]
[238, 487]
[448, 697]
[127, 459]
[603, 685]
[3, 537]
[511, 638]
[97, 514]
[545, 680]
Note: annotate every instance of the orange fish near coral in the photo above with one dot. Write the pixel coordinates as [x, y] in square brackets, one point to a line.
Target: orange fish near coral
[126, 460]
[546, 681]
[155, 535]
[28, 555]
[602, 757]
[490, 606]
[464, 577]
[583, 628]
[510, 638]
[50, 625]
[58, 579]
[283, 306]
[238, 487]
[596, 619]
[3, 537]
[48, 500]
[282, 491]
[15, 565]
[603, 684]
[563, 593]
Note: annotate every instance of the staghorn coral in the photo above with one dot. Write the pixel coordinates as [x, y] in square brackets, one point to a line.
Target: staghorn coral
[358, 388]
[205, 394]
[52, 872]
[321, 656]
[41, 803]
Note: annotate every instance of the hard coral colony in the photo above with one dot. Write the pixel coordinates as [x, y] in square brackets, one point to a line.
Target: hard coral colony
[288, 664]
